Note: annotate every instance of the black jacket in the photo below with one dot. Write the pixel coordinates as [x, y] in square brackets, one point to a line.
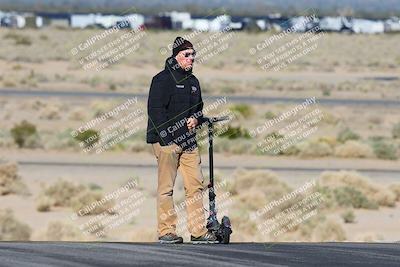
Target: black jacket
[174, 96]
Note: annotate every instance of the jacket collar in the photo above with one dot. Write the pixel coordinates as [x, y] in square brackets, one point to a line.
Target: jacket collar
[173, 67]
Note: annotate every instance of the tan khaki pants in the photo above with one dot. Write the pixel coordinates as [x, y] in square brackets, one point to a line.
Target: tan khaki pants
[169, 159]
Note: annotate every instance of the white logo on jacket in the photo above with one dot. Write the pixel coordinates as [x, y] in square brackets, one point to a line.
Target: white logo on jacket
[194, 89]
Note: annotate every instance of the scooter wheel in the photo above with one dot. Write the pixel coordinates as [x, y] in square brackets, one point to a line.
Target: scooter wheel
[226, 235]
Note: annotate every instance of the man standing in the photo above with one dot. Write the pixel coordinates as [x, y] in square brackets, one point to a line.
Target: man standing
[175, 109]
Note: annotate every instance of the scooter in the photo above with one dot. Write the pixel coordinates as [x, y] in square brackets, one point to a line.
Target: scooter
[221, 230]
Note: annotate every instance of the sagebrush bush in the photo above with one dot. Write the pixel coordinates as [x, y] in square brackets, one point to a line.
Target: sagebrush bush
[43, 204]
[60, 231]
[353, 149]
[82, 202]
[267, 181]
[99, 107]
[255, 189]
[351, 197]
[235, 132]
[395, 188]
[396, 130]
[24, 134]
[239, 146]
[313, 149]
[348, 216]
[78, 197]
[63, 192]
[329, 230]
[269, 115]
[330, 140]
[19, 38]
[11, 229]
[244, 110]
[350, 182]
[77, 114]
[273, 136]
[88, 137]
[10, 181]
[347, 134]
[50, 112]
[383, 150]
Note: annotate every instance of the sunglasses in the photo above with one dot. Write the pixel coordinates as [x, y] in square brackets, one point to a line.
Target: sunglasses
[190, 54]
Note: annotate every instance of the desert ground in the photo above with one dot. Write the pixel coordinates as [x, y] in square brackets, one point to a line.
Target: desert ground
[351, 151]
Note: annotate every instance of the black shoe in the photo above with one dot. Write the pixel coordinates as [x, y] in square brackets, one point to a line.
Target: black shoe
[207, 238]
[170, 239]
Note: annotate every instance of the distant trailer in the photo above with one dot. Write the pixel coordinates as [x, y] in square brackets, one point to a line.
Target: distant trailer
[392, 25]
[367, 26]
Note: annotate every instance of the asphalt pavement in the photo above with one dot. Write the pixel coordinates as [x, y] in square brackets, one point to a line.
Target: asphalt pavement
[234, 254]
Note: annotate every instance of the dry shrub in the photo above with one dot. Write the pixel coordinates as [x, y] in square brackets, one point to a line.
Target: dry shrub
[301, 232]
[354, 149]
[10, 181]
[25, 134]
[329, 118]
[11, 229]
[251, 190]
[254, 189]
[242, 224]
[239, 146]
[99, 107]
[43, 203]
[50, 112]
[347, 134]
[348, 216]
[221, 182]
[144, 234]
[384, 150]
[78, 197]
[346, 196]
[35, 104]
[6, 141]
[47, 110]
[375, 119]
[396, 130]
[77, 114]
[267, 181]
[317, 228]
[63, 192]
[373, 192]
[330, 140]
[242, 110]
[82, 203]
[60, 231]
[314, 148]
[329, 230]
[395, 188]
[253, 199]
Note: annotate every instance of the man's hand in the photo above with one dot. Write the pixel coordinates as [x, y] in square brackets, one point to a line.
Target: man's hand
[192, 123]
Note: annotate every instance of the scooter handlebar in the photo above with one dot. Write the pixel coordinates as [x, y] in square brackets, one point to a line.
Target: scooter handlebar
[217, 119]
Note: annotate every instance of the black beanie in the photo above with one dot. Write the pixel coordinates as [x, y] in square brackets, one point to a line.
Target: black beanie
[179, 45]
